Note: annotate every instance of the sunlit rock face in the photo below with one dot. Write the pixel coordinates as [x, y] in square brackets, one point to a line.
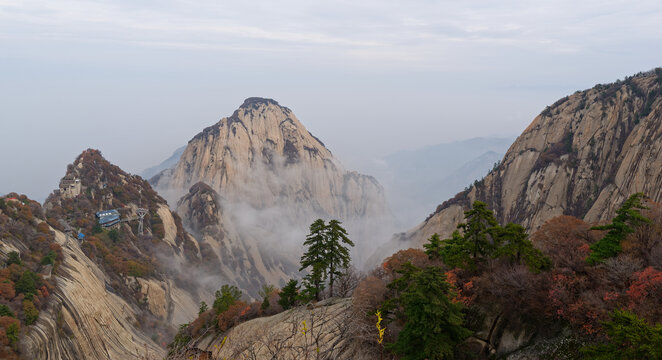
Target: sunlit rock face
[582, 156]
[265, 179]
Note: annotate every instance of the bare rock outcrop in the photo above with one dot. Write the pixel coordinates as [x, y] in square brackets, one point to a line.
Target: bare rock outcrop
[249, 186]
[327, 330]
[582, 156]
[85, 320]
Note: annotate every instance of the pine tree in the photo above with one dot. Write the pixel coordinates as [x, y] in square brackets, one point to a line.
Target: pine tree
[288, 294]
[265, 292]
[479, 222]
[630, 337]
[225, 298]
[434, 324]
[627, 218]
[512, 242]
[315, 258]
[337, 254]
[456, 252]
[434, 247]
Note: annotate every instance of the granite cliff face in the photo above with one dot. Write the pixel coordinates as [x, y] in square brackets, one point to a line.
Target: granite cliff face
[262, 155]
[266, 179]
[120, 294]
[85, 320]
[582, 156]
[229, 255]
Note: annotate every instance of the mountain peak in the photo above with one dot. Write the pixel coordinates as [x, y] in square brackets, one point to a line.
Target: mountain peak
[255, 101]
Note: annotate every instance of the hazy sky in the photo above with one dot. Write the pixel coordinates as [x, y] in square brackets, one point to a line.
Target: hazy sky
[137, 79]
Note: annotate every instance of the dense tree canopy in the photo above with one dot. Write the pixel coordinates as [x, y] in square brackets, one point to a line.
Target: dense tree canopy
[483, 238]
[629, 337]
[434, 323]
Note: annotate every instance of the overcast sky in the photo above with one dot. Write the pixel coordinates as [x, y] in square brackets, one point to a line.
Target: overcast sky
[137, 79]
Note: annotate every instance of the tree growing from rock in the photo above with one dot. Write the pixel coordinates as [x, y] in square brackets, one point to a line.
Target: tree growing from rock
[224, 298]
[315, 259]
[337, 252]
[288, 294]
[628, 217]
[327, 255]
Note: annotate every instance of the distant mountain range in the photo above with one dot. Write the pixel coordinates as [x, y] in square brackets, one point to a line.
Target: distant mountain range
[166, 164]
[416, 180]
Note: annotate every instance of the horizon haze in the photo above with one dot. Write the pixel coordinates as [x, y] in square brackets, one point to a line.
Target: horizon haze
[137, 81]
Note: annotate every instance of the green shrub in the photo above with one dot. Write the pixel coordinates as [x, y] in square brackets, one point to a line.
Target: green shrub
[49, 259]
[30, 312]
[27, 284]
[6, 311]
[12, 334]
[288, 295]
[225, 297]
[114, 235]
[14, 258]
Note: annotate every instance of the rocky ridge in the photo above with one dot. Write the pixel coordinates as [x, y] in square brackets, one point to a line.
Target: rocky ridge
[582, 156]
[85, 321]
[119, 295]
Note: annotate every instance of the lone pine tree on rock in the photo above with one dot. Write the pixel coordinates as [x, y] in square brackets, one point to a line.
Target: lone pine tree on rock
[326, 256]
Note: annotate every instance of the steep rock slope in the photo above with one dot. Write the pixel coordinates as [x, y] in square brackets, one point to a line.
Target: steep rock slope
[85, 321]
[582, 156]
[120, 294]
[271, 179]
[234, 256]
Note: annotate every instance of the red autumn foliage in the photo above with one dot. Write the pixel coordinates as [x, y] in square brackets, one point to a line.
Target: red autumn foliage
[7, 290]
[43, 228]
[645, 292]
[232, 315]
[565, 240]
[463, 290]
[369, 294]
[201, 323]
[417, 257]
[44, 292]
